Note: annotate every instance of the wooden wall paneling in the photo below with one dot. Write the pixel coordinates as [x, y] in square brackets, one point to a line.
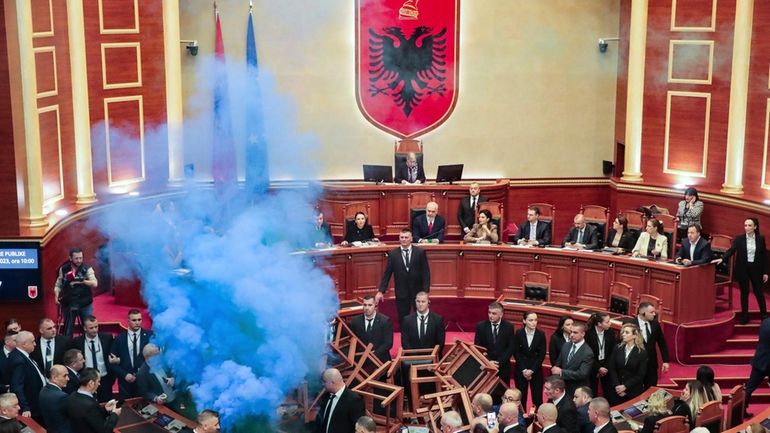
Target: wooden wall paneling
[510, 270]
[664, 285]
[593, 283]
[42, 18]
[687, 133]
[634, 276]
[621, 94]
[9, 212]
[756, 173]
[364, 273]
[562, 277]
[336, 268]
[124, 134]
[51, 153]
[479, 273]
[445, 273]
[693, 15]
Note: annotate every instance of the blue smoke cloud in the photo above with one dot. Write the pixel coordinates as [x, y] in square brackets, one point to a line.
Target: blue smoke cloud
[240, 315]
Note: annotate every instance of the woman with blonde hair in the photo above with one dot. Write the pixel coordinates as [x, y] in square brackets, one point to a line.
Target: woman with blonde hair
[652, 242]
[628, 365]
[692, 399]
[656, 411]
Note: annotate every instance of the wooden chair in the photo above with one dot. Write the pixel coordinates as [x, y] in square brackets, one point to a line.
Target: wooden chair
[402, 149]
[537, 285]
[497, 215]
[349, 212]
[736, 407]
[599, 217]
[672, 424]
[621, 298]
[466, 366]
[710, 416]
[636, 222]
[384, 402]
[547, 214]
[445, 401]
[416, 203]
[724, 271]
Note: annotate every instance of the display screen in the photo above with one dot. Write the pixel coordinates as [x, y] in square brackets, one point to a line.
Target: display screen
[20, 278]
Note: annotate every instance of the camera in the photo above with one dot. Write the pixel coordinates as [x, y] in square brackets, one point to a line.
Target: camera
[192, 47]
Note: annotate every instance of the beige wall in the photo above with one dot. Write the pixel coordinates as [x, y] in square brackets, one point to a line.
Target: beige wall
[536, 97]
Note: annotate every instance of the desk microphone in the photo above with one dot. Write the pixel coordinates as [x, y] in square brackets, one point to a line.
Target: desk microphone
[433, 234]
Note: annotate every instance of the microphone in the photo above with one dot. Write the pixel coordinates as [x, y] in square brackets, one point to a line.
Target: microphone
[430, 236]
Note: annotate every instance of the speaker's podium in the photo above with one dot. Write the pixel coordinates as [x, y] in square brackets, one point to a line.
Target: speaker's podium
[138, 416]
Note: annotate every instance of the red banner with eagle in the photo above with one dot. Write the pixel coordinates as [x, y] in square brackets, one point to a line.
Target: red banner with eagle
[407, 63]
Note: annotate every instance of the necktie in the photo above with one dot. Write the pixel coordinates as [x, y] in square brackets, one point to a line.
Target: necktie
[430, 226]
[473, 203]
[649, 333]
[406, 258]
[571, 353]
[580, 237]
[368, 325]
[48, 356]
[93, 355]
[494, 333]
[133, 349]
[422, 326]
[328, 411]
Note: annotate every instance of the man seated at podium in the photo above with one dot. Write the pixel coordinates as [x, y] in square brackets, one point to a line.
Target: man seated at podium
[429, 227]
[582, 236]
[694, 250]
[411, 172]
[322, 233]
[533, 232]
[466, 212]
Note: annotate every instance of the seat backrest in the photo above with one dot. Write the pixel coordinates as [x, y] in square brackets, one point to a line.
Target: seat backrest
[597, 216]
[710, 416]
[621, 298]
[654, 300]
[416, 202]
[537, 285]
[736, 403]
[719, 246]
[669, 230]
[497, 213]
[636, 222]
[672, 424]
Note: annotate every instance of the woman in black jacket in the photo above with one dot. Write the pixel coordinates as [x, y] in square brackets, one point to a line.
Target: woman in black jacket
[558, 338]
[529, 352]
[750, 266]
[619, 236]
[628, 364]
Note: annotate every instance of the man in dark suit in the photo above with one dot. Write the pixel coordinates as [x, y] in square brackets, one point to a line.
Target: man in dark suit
[496, 335]
[27, 378]
[9, 407]
[469, 206]
[51, 347]
[546, 416]
[411, 172]
[601, 339]
[533, 231]
[565, 407]
[208, 422]
[582, 398]
[423, 329]
[96, 347]
[429, 227]
[760, 363]
[694, 250]
[653, 340]
[452, 422]
[85, 413]
[73, 362]
[582, 236]
[340, 408]
[53, 401]
[411, 274]
[508, 418]
[322, 233]
[374, 328]
[9, 346]
[599, 414]
[575, 360]
[128, 348]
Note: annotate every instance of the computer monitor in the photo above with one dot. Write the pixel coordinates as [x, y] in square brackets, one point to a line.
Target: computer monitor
[449, 173]
[378, 173]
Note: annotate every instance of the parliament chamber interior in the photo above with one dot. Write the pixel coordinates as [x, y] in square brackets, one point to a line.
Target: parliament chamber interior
[250, 180]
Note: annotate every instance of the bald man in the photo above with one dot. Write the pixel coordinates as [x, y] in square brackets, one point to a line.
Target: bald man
[340, 408]
[509, 419]
[582, 236]
[599, 414]
[53, 401]
[411, 172]
[27, 378]
[546, 416]
[429, 227]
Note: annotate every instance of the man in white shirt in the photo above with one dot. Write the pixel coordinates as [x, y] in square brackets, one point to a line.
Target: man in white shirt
[9, 345]
[546, 416]
[509, 419]
[208, 422]
[50, 347]
[340, 408]
[127, 347]
[27, 378]
[96, 347]
[533, 231]
[652, 333]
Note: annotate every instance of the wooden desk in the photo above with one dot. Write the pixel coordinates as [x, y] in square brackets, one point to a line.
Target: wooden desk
[489, 271]
[389, 203]
[756, 419]
[32, 424]
[638, 419]
[131, 421]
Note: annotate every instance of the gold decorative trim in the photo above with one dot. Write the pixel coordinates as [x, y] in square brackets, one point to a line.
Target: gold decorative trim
[672, 46]
[107, 102]
[47, 202]
[50, 32]
[669, 192]
[711, 28]
[127, 84]
[669, 96]
[55, 90]
[764, 184]
[558, 181]
[106, 31]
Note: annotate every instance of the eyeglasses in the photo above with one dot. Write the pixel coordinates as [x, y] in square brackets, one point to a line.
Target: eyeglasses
[511, 399]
